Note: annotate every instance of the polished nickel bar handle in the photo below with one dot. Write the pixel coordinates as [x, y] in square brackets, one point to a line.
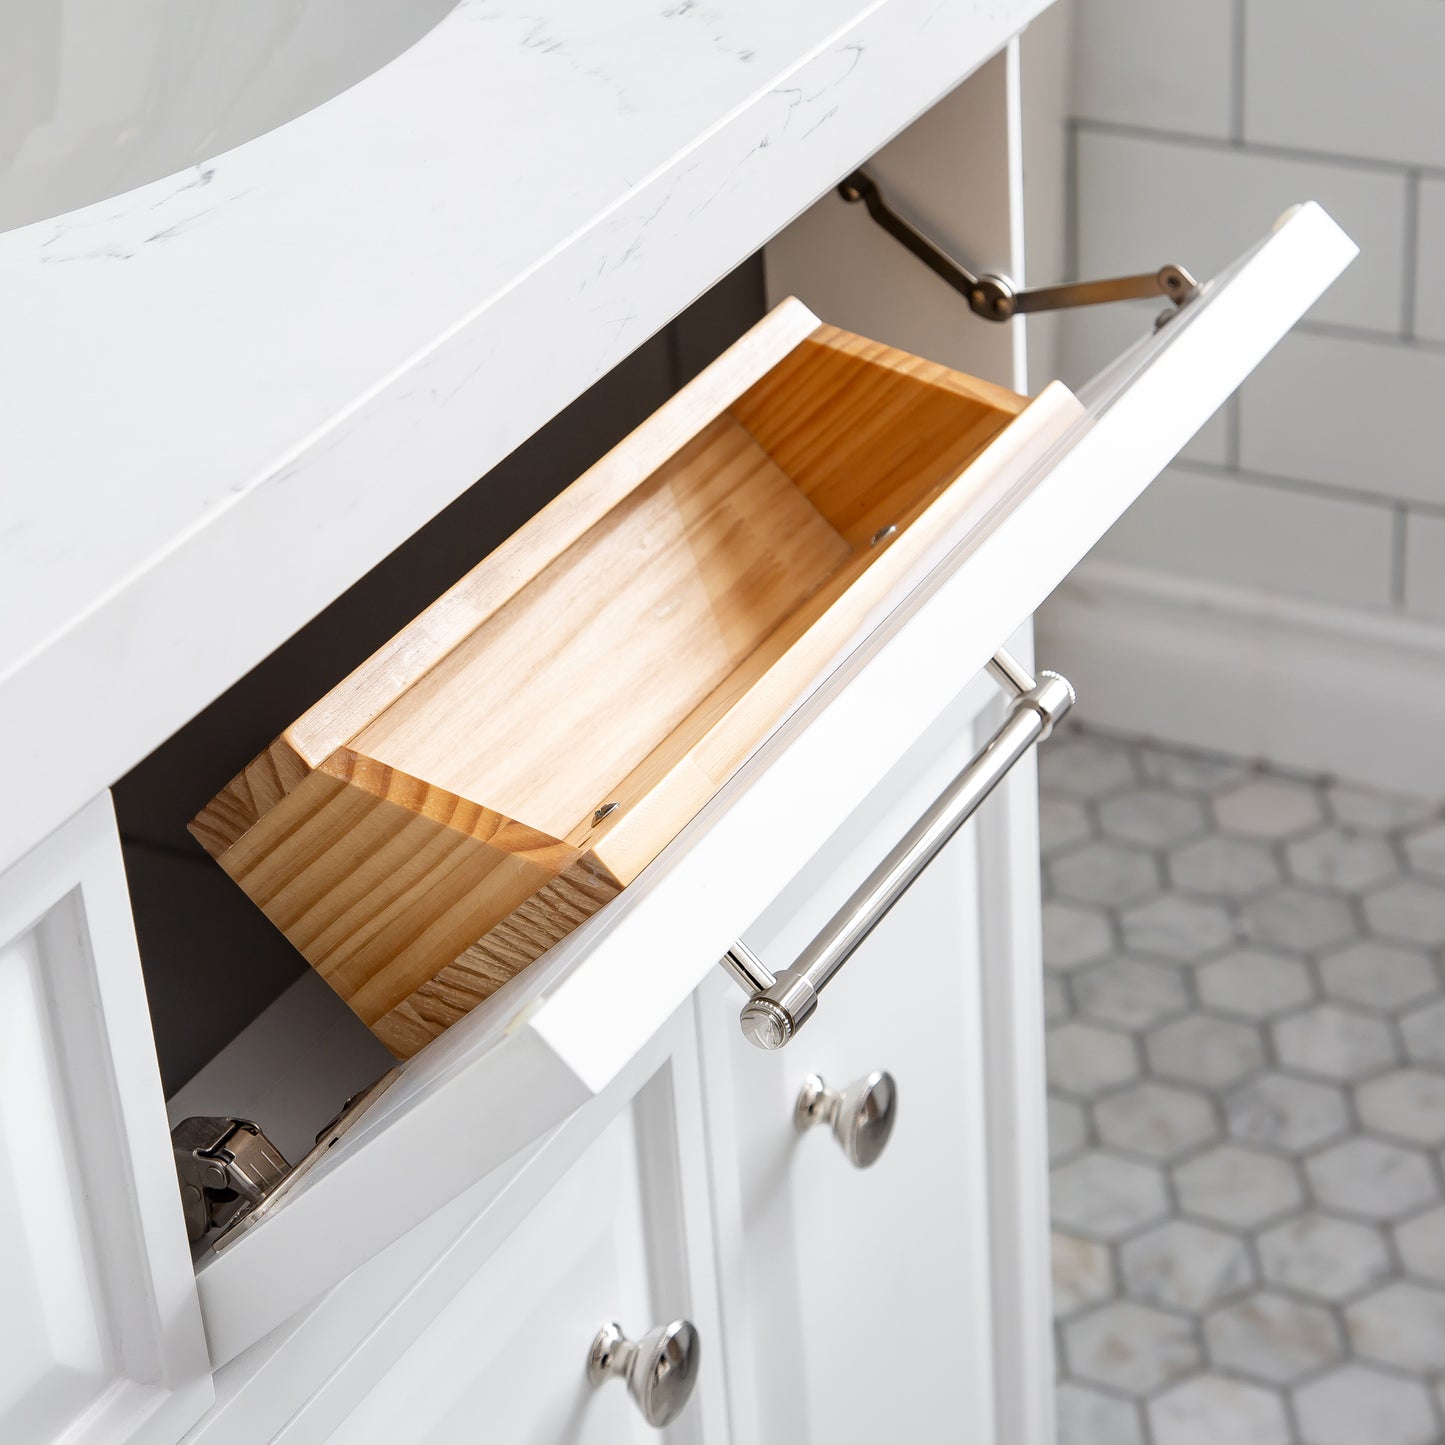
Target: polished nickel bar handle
[779, 1005]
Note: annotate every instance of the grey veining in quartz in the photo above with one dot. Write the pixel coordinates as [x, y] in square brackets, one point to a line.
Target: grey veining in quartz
[255, 377]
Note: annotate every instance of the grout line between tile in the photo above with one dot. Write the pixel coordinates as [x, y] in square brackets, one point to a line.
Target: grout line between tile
[1410, 262]
[1231, 431]
[1264, 149]
[1365, 335]
[1398, 537]
[1304, 486]
[1071, 200]
[1237, 71]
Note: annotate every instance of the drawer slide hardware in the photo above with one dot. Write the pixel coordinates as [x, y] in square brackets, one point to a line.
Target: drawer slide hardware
[992, 295]
[780, 1004]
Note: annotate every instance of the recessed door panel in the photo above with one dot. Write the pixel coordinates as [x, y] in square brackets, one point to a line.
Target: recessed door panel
[505, 1359]
[99, 1330]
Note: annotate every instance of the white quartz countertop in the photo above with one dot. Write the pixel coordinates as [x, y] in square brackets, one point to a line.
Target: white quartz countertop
[226, 395]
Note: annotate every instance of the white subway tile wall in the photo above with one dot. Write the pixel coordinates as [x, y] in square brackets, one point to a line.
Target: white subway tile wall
[1146, 200]
[1138, 62]
[1344, 79]
[1195, 123]
[1350, 412]
[1198, 523]
[1430, 261]
[1425, 567]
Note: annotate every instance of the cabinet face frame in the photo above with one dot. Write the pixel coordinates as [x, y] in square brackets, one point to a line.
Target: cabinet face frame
[92, 1217]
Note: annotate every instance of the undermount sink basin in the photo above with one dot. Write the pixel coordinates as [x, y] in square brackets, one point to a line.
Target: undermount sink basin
[100, 96]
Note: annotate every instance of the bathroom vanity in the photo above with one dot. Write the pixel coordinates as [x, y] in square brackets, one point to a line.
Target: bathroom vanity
[231, 392]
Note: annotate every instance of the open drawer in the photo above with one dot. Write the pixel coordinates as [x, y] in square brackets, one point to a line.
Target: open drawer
[519, 753]
[873, 675]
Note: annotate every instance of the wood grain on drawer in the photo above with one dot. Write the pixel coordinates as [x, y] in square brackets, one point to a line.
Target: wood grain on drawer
[518, 754]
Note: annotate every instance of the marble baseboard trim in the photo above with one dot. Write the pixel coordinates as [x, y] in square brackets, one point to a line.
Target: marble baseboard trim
[1301, 684]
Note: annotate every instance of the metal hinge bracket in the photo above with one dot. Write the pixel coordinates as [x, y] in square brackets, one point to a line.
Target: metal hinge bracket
[225, 1167]
[994, 297]
[231, 1175]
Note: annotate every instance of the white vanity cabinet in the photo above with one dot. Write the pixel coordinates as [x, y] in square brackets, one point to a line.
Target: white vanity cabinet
[597, 1140]
[559, 1157]
[801, 1251]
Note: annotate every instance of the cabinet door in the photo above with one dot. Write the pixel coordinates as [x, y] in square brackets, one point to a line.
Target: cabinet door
[861, 1303]
[100, 1332]
[565, 1027]
[622, 1235]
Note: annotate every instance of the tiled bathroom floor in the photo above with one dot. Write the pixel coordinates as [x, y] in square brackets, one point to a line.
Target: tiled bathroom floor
[1247, 1102]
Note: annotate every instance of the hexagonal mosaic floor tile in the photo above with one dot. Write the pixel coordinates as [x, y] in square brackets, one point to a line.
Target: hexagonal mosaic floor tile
[1374, 974]
[1222, 867]
[1322, 1256]
[1359, 1405]
[1155, 1119]
[1129, 993]
[1246, 1001]
[1286, 1113]
[1272, 1338]
[1185, 1266]
[1254, 983]
[1130, 1347]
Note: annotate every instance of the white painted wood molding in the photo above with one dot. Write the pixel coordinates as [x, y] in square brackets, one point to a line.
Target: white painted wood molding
[99, 1328]
[1357, 695]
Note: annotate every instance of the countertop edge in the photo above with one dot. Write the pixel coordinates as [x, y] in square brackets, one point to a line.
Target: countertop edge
[131, 668]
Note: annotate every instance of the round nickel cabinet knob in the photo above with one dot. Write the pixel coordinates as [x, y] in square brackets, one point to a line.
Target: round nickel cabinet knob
[860, 1116]
[660, 1369]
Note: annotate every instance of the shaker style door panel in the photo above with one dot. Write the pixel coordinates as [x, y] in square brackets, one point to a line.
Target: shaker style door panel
[506, 1359]
[559, 1031]
[100, 1334]
[827, 1265]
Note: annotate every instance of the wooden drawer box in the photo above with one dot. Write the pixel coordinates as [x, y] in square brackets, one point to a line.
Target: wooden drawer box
[520, 752]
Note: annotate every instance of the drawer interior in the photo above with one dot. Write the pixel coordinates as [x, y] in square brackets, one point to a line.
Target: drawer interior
[565, 690]
[586, 684]
[213, 963]
[523, 749]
